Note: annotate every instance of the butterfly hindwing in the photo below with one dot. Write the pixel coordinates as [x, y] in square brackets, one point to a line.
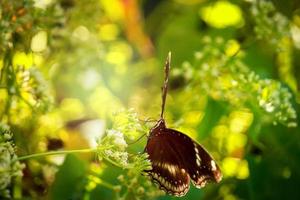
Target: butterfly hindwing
[196, 161]
[202, 169]
[170, 178]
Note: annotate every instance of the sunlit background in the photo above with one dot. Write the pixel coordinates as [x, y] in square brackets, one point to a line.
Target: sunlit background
[70, 70]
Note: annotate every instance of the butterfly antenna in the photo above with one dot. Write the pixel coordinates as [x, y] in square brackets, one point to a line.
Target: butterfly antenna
[165, 86]
[147, 120]
[130, 143]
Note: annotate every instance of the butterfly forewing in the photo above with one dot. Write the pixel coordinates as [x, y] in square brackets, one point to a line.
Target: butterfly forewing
[167, 166]
[176, 158]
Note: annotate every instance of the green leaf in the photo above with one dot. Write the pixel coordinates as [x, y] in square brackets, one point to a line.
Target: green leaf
[69, 179]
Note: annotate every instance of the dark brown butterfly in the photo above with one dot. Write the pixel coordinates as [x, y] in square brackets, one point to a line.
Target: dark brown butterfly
[176, 158]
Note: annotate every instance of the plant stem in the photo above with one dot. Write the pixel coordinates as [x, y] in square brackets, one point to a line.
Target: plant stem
[107, 185]
[101, 181]
[36, 155]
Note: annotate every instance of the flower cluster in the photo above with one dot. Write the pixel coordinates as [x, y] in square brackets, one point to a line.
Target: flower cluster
[228, 78]
[9, 167]
[127, 121]
[136, 185]
[113, 148]
[274, 98]
[270, 25]
[24, 90]
[33, 88]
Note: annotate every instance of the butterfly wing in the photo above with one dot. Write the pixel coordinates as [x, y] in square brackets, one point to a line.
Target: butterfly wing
[176, 159]
[167, 169]
[200, 165]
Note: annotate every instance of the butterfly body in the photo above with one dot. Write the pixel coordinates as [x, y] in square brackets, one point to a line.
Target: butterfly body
[177, 159]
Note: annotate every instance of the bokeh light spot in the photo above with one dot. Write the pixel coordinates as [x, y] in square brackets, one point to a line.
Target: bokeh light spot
[222, 14]
[39, 42]
[235, 167]
[23, 59]
[108, 32]
[71, 108]
[81, 33]
[240, 121]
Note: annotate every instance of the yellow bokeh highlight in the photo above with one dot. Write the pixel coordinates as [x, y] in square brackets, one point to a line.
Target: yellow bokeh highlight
[103, 102]
[82, 33]
[188, 131]
[108, 32]
[115, 57]
[222, 14]
[243, 170]
[220, 133]
[91, 185]
[235, 141]
[121, 119]
[119, 53]
[50, 123]
[23, 59]
[114, 9]
[64, 135]
[235, 167]
[19, 111]
[3, 99]
[38, 59]
[189, 2]
[39, 41]
[71, 108]
[96, 168]
[240, 121]
[193, 118]
[232, 48]
[227, 81]
[230, 133]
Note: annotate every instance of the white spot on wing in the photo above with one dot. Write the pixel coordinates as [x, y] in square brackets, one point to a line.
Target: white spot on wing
[213, 165]
[198, 162]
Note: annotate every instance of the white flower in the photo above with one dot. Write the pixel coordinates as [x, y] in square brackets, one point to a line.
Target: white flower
[117, 139]
[121, 143]
[108, 152]
[123, 156]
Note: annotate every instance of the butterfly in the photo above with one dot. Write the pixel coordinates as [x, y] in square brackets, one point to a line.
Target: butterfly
[177, 159]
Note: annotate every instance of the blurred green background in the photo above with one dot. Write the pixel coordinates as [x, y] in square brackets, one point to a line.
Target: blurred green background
[71, 69]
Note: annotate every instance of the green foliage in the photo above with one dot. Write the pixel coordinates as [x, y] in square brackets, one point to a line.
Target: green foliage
[228, 78]
[69, 179]
[19, 77]
[70, 72]
[20, 20]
